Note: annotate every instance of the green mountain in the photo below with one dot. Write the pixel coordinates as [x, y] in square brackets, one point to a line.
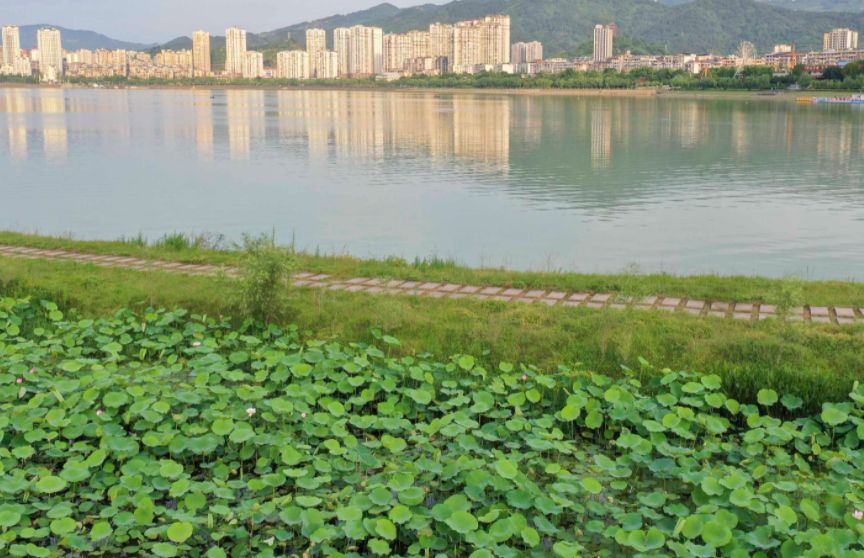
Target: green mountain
[803, 5]
[73, 39]
[566, 25]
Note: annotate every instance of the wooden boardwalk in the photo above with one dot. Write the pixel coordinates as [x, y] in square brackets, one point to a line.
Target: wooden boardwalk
[751, 311]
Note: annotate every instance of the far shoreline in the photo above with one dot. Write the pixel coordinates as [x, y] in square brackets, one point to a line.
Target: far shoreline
[643, 92]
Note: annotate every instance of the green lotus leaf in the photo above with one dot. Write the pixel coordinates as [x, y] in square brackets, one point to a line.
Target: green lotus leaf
[530, 537]
[507, 469]
[385, 529]
[115, 399]
[716, 534]
[180, 531]
[349, 513]
[767, 397]
[592, 485]
[570, 413]
[8, 518]
[51, 484]
[400, 514]
[834, 416]
[63, 526]
[565, 549]
[462, 522]
[222, 427]
[164, 550]
[100, 530]
[170, 469]
[379, 547]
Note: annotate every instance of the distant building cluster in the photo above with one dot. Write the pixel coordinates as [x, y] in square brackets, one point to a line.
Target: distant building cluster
[479, 45]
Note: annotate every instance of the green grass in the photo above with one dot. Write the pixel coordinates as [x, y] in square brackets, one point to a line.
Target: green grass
[705, 287]
[818, 363]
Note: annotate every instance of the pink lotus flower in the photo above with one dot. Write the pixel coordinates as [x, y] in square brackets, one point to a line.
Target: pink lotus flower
[32, 370]
[302, 415]
[19, 381]
[98, 412]
[859, 515]
[524, 376]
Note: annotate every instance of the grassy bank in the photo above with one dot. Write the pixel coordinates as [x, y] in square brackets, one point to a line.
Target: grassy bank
[706, 287]
[818, 363]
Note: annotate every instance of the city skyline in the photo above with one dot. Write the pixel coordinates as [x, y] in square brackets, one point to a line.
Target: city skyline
[463, 47]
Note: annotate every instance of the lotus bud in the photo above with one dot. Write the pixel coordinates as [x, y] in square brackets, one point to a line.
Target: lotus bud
[19, 381]
[251, 411]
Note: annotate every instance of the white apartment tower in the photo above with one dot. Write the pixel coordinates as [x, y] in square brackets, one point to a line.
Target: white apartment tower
[441, 41]
[50, 53]
[525, 53]
[366, 51]
[327, 65]
[253, 65]
[235, 51]
[293, 64]
[342, 47]
[840, 39]
[604, 42]
[11, 46]
[316, 41]
[483, 41]
[201, 53]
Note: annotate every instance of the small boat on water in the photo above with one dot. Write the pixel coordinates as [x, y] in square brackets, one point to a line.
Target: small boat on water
[846, 100]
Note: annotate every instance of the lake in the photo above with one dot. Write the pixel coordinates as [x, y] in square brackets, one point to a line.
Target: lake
[543, 182]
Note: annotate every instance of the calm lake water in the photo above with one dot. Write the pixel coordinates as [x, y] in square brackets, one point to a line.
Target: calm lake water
[530, 182]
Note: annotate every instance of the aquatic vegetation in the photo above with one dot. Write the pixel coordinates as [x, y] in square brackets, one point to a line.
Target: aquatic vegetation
[170, 434]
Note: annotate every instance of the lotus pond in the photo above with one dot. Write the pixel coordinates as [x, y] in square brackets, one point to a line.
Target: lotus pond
[169, 434]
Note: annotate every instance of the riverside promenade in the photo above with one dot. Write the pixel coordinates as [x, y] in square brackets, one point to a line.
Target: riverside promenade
[750, 311]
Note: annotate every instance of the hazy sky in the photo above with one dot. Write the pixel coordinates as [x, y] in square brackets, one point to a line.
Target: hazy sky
[162, 20]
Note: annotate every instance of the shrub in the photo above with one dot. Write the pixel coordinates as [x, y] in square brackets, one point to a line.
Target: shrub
[265, 278]
[166, 434]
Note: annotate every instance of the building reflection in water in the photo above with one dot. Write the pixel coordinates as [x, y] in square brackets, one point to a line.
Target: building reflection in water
[204, 124]
[601, 138]
[241, 106]
[372, 126]
[52, 104]
[16, 106]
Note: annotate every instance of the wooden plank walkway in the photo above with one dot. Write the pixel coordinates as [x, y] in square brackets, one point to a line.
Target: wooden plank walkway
[839, 315]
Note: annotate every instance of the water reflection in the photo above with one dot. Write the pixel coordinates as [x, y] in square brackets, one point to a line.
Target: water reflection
[689, 184]
[55, 134]
[16, 106]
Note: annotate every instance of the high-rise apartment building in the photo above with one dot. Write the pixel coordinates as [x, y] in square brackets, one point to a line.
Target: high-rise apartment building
[604, 41]
[524, 53]
[11, 46]
[50, 53]
[401, 48]
[840, 39]
[342, 47]
[483, 41]
[293, 64]
[201, 53]
[441, 41]
[316, 41]
[235, 51]
[253, 65]
[366, 51]
[327, 65]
